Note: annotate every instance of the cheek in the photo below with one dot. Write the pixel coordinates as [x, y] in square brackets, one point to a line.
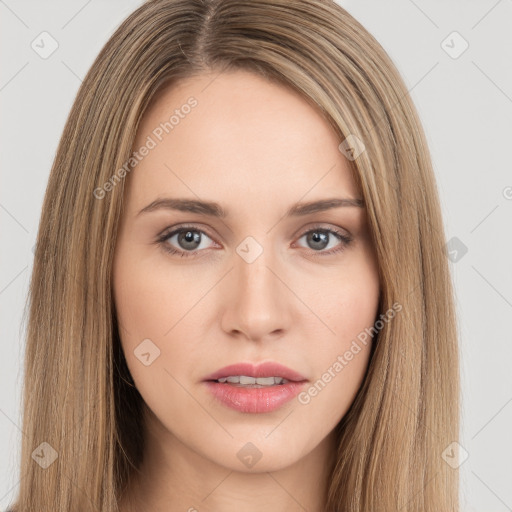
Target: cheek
[349, 306]
[348, 303]
[157, 303]
[150, 298]
[151, 302]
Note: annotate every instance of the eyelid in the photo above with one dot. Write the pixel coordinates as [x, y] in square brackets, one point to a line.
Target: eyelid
[323, 226]
[172, 230]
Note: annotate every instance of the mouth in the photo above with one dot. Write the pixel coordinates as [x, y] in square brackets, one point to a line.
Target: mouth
[269, 373]
[245, 381]
[255, 389]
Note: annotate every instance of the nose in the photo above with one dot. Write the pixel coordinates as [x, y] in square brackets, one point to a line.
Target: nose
[256, 299]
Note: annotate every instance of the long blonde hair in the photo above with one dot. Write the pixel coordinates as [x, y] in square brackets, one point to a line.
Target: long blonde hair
[78, 396]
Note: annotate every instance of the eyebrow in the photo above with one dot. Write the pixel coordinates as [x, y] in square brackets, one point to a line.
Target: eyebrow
[215, 209]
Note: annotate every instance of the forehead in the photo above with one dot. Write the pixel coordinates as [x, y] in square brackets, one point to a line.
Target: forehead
[244, 136]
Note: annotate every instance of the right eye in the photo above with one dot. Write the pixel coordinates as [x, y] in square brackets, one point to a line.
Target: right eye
[189, 238]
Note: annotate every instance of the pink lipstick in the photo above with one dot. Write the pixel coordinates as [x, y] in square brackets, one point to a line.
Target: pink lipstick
[251, 388]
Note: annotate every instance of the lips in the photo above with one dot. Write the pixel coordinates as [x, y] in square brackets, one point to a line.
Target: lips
[266, 369]
[254, 400]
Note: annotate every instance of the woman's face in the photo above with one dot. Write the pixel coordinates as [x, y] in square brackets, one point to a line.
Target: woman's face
[271, 281]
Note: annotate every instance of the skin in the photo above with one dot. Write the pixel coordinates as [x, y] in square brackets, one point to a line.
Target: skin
[256, 148]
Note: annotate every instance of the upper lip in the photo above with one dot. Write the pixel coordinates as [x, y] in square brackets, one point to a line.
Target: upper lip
[266, 369]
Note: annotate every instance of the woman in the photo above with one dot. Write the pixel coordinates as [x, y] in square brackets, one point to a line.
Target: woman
[303, 355]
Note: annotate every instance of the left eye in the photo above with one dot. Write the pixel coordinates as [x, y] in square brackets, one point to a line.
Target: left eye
[191, 240]
[319, 239]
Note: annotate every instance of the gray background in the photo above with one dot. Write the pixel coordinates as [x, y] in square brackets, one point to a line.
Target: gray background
[465, 102]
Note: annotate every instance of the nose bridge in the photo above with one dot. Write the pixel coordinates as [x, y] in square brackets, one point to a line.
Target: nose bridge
[252, 268]
[255, 306]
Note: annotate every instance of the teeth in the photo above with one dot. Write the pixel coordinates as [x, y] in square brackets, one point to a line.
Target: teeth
[248, 381]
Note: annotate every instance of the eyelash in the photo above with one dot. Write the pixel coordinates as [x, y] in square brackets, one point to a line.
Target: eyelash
[162, 241]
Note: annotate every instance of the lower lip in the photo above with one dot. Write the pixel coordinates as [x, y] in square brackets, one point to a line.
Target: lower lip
[255, 400]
